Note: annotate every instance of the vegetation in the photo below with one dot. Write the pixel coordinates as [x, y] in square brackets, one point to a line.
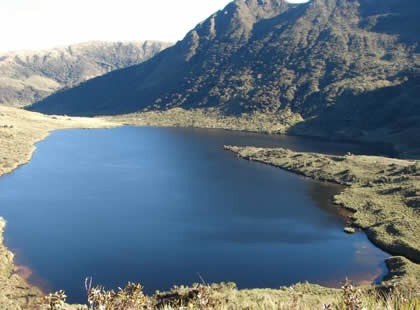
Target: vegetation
[212, 118]
[27, 77]
[225, 296]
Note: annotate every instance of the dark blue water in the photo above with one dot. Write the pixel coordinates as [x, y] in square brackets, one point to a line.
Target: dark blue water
[160, 206]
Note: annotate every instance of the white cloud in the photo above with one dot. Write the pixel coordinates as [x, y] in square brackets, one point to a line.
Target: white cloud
[36, 24]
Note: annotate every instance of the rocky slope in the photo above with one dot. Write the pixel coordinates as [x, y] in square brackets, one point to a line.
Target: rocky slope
[351, 68]
[27, 77]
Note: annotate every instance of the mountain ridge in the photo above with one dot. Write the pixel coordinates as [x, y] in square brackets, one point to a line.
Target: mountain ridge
[29, 76]
[320, 59]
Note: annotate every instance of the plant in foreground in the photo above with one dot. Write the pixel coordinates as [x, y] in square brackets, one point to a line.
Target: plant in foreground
[55, 301]
[129, 297]
[351, 296]
[398, 296]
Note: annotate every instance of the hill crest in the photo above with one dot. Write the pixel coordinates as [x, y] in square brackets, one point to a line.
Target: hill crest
[29, 76]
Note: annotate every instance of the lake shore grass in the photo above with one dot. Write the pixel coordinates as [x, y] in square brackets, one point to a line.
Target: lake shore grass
[269, 122]
[20, 130]
[211, 118]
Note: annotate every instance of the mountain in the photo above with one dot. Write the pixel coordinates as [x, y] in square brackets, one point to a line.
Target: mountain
[27, 77]
[350, 66]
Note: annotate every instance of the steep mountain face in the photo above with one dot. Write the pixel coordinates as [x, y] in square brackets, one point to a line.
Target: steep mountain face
[27, 77]
[326, 59]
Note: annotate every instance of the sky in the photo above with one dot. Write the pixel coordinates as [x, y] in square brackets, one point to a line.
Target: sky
[39, 24]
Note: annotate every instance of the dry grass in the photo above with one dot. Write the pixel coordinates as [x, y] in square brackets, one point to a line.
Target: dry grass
[404, 296]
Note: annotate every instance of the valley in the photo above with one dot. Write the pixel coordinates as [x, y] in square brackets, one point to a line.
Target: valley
[316, 102]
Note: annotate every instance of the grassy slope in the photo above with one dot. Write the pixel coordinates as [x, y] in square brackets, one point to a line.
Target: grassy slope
[212, 118]
[267, 56]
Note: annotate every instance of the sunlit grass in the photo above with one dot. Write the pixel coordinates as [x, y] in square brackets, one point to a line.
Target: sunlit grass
[403, 295]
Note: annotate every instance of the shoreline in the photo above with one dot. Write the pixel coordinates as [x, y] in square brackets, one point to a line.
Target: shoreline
[16, 292]
[284, 123]
[25, 129]
[19, 132]
[360, 195]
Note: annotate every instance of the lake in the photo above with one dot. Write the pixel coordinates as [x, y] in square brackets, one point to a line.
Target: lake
[166, 206]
